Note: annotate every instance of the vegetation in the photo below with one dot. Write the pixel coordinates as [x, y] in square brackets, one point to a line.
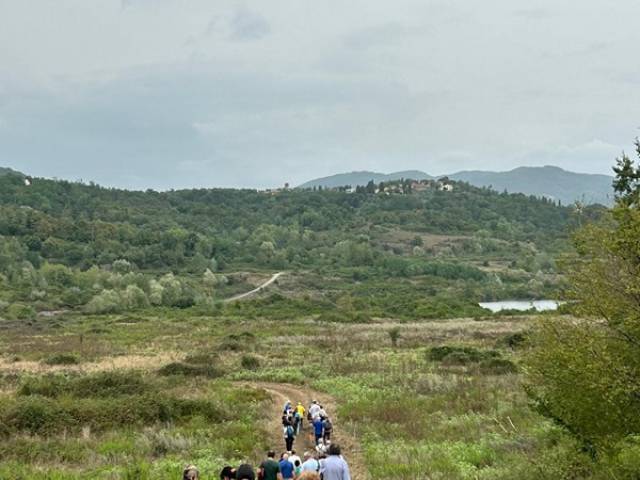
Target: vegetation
[121, 358]
[585, 374]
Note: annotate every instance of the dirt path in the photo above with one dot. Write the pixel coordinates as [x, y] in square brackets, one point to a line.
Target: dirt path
[280, 393]
[273, 278]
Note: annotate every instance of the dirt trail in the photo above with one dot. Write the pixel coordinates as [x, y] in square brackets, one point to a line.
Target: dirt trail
[273, 278]
[280, 393]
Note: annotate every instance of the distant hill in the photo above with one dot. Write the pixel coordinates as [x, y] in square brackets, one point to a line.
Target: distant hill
[9, 171]
[362, 178]
[552, 182]
[548, 181]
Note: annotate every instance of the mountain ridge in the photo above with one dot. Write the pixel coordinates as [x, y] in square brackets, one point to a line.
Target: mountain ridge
[549, 181]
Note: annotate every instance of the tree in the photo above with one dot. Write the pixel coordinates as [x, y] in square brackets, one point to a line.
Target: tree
[394, 336]
[585, 373]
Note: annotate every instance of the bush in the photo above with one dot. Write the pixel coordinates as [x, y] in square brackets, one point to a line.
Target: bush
[18, 311]
[97, 385]
[38, 415]
[200, 359]
[497, 366]
[62, 359]
[456, 355]
[513, 340]
[250, 362]
[108, 301]
[189, 370]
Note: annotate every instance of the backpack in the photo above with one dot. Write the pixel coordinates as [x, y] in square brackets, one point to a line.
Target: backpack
[328, 426]
[290, 431]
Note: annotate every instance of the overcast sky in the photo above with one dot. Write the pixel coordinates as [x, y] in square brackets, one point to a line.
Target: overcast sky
[175, 93]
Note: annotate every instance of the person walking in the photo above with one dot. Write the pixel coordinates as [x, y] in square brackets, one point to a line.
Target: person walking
[270, 469]
[310, 464]
[328, 430]
[318, 429]
[293, 457]
[191, 473]
[245, 472]
[286, 467]
[335, 467]
[228, 473]
[289, 436]
[314, 410]
[300, 411]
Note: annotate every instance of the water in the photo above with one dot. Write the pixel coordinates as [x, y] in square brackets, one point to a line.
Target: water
[521, 305]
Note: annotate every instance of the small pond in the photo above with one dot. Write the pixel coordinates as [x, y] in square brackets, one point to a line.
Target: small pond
[522, 305]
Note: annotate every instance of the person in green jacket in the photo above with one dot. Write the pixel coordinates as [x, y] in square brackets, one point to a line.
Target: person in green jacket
[270, 469]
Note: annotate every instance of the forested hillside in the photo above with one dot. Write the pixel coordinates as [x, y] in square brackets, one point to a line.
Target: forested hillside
[84, 225]
[66, 244]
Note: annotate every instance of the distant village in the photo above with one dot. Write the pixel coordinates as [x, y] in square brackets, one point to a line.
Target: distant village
[394, 187]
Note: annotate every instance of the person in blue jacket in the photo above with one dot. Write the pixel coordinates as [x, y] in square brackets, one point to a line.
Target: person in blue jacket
[287, 470]
[318, 429]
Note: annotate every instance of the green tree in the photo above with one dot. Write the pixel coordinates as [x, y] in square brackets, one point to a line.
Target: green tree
[585, 373]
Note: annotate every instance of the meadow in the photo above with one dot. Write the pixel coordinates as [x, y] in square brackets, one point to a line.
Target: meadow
[122, 358]
[138, 396]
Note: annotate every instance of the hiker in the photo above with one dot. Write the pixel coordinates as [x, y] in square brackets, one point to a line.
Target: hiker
[297, 422]
[310, 464]
[190, 473]
[270, 469]
[318, 429]
[300, 411]
[286, 467]
[328, 429]
[314, 410]
[245, 472]
[288, 406]
[322, 412]
[335, 467]
[321, 447]
[297, 468]
[228, 473]
[293, 457]
[285, 420]
[321, 459]
[289, 436]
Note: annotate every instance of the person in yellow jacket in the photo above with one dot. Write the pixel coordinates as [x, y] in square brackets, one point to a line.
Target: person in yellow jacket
[300, 411]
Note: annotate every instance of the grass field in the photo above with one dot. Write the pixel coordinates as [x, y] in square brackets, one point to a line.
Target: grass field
[138, 396]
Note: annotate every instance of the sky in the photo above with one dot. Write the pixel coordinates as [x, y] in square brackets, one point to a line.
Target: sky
[222, 93]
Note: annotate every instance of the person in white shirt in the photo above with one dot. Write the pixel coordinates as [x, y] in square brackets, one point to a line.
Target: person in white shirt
[310, 463]
[314, 410]
[293, 457]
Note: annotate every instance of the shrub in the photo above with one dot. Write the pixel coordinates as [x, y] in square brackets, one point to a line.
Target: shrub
[250, 362]
[62, 359]
[97, 385]
[497, 366]
[189, 370]
[36, 415]
[200, 359]
[513, 340]
[394, 336]
[46, 416]
[108, 301]
[457, 355]
[19, 311]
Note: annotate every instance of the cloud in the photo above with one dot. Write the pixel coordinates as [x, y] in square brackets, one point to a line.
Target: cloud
[533, 13]
[245, 94]
[593, 156]
[246, 25]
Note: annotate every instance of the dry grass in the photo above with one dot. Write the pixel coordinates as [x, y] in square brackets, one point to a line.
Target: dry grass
[123, 362]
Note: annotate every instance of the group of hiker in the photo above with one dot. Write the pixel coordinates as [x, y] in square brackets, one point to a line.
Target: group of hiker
[320, 423]
[325, 462]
